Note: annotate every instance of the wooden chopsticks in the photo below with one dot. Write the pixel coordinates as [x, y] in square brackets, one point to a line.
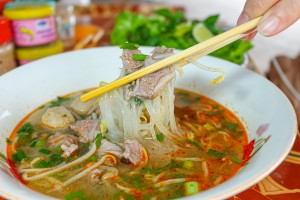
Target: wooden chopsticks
[180, 58]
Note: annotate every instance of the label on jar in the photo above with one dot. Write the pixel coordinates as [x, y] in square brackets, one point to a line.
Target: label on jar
[34, 32]
[23, 62]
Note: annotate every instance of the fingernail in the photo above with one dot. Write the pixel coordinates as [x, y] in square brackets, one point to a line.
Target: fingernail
[243, 19]
[269, 25]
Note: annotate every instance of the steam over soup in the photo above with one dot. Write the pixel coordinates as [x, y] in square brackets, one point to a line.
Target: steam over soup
[142, 141]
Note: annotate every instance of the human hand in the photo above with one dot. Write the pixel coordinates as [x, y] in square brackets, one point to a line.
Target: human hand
[277, 15]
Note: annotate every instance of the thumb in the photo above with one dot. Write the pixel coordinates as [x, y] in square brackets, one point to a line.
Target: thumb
[279, 17]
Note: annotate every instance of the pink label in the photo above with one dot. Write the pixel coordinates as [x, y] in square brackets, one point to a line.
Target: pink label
[23, 62]
[34, 32]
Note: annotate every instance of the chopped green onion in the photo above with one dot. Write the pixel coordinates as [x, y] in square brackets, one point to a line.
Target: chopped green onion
[75, 195]
[231, 126]
[194, 143]
[140, 57]
[216, 154]
[55, 157]
[138, 101]
[40, 143]
[42, 164]
[188, 164]
[45, 151]
[93, 159]
[103, 127]
[25, 130]
[216, 106]
[160, 137]
[19, 156]
[59, 101]
[98, 140]
[8, 141]
[215, 112]
[209, 126]
[130, 46]
[236, 160]
[58, 150]
[191, 188]
[33, 143]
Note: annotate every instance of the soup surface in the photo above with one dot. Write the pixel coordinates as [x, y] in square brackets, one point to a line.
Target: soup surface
[50, 155]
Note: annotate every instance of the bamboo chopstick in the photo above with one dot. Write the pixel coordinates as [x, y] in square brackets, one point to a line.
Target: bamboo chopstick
[180, 58]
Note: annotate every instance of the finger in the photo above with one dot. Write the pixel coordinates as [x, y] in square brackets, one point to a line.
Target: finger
[255, 8]
[279, 17]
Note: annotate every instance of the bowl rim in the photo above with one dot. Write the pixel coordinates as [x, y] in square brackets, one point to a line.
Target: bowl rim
[238, 189]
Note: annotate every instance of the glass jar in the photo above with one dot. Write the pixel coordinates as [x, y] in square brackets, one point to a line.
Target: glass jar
[33, 23]
[29, 54]
[7, 59]
[65, 23]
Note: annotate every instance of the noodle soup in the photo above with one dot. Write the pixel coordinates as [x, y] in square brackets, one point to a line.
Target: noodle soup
[67, 149]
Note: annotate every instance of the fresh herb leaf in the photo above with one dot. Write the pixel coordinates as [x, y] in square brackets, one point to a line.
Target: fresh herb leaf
[160, 137]
[59, 101]
[19, 156]
[8, 141]
[236, 160]
[216, 154]
[215, 112]
[194, 143]
[215, 106]
[33, 143]
[140, 57]
[45, 151]
[138, 101]
[55, 157]
[93, 159]
[130, 46]
[98, 140]
[40, 143]
[75, 195]
[25, 130]
[58, 150]
[231, 126]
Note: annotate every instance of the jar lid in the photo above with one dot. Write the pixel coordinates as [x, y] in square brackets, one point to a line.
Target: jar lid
[34, 53]
[19, 11]
[6, 34]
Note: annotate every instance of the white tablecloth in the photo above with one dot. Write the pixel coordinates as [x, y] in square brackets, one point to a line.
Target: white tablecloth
[286, 43]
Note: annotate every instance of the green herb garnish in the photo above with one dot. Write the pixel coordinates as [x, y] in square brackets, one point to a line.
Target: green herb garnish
[160, 137]
[98, 140]
[137, 101]
[59, 101]
[236, 160]
[216, 154]
[25, 130]
[75, 195]
[231, 126]
[8, 141]
[130, 46]
[140, 57]
[45, 151]
[19, 156]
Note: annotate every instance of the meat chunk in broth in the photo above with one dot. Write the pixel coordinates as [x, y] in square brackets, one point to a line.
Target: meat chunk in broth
[86, 129]
[107, 147]
[57, 117]
[151, 85]
[83, 108]
[129, 64]
[133, 151]
[68, 143]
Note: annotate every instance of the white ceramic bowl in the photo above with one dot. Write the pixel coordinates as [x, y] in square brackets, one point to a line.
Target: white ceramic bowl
[253, 98]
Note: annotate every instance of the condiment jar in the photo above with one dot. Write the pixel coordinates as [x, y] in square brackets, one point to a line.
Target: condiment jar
[29, 54]
[33, 23]
[7, 59]
[65, 23]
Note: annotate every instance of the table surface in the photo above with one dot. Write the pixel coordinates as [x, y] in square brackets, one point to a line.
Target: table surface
[283, 183]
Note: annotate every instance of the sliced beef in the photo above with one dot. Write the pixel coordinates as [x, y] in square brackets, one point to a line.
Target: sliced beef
[151, 85]
[68, 143]
[107, 147]
[133, 151]
[129, 64]
[86, 129]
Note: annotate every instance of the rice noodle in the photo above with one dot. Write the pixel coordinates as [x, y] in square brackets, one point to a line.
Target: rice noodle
[60, 168]
[125, 189]
[190, 159]
[86, 171]
[156, 178]
[170, 181]
[205, 169]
